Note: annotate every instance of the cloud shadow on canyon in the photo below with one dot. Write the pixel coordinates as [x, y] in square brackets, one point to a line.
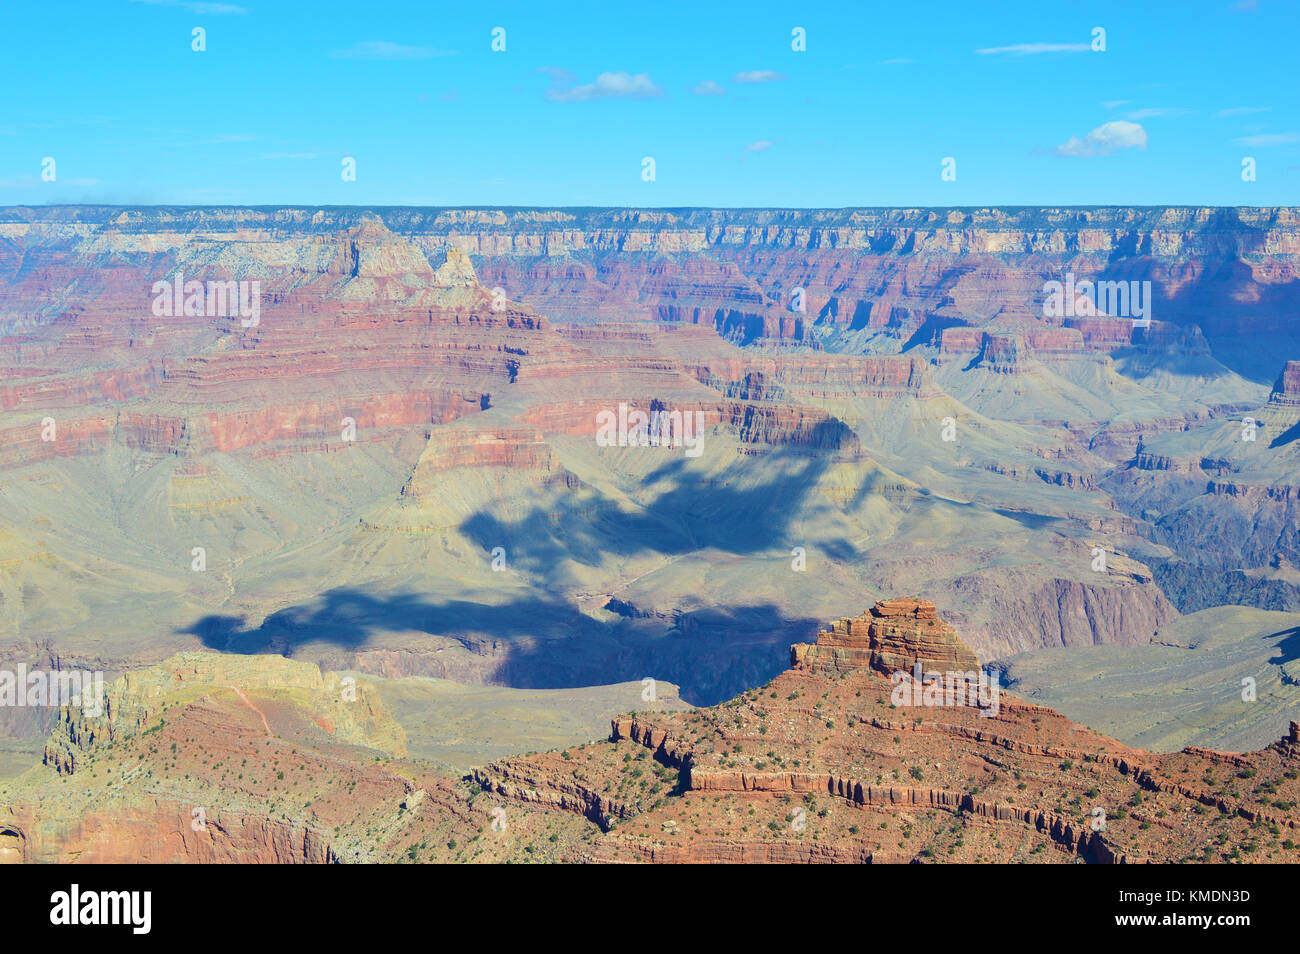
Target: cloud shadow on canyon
[749, 515]
[532, 642]
[1288, 646]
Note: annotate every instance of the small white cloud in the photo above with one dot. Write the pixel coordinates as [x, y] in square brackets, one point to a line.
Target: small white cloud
[1154, 112]
[710, 88]
[1115, 103]
[1031, 49]
[1269, 139]
[558, 74]
[758, 76]
[196, 6]
[1105, 139]
[1241, 111]
[384, 50]
[761, 146]
[608, 85]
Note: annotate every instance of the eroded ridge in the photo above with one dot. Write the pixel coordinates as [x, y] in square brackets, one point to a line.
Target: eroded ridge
[822, 764]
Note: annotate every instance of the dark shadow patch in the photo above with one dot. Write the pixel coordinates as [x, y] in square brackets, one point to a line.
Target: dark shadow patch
[712, 654]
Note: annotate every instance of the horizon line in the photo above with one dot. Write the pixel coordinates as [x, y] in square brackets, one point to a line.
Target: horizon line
[638, 208]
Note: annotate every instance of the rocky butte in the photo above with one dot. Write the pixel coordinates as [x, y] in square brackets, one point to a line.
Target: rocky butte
[894, 635]
[820, 766]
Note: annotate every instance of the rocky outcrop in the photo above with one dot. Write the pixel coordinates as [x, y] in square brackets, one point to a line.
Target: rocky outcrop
[521, 781]
[1287, 389]
[158, 831]
[1076, 613]
[894, 634]
[348, 710]
[716, 852]
[666, 749]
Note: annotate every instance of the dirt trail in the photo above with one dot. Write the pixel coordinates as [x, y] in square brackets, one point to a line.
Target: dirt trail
[245, 700]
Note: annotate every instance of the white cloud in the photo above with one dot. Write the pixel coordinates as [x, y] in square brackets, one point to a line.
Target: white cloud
[1241, 111]
[1105, 139]
[608, 85]
[1269, 139]
[384, 50]
[196, 6]
[710, 88]
[1029, 49]
[761, 146]
[1114, 103]
[758, 76]
[1153, 112]
[558, 74]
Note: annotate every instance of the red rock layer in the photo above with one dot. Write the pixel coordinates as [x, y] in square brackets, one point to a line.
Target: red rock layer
[893, 635]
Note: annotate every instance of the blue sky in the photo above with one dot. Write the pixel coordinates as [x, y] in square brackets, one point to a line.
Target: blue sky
[714, 92]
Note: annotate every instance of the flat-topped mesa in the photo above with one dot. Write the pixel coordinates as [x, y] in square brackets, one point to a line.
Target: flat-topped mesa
[1287, 388]
[893, 635]
[1004, 354]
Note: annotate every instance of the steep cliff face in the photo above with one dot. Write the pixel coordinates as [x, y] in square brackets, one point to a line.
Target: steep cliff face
[159, 831]
[884, 271]
[1225, 497]
[1286, 392]
[1073, 613]
[365, 331]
